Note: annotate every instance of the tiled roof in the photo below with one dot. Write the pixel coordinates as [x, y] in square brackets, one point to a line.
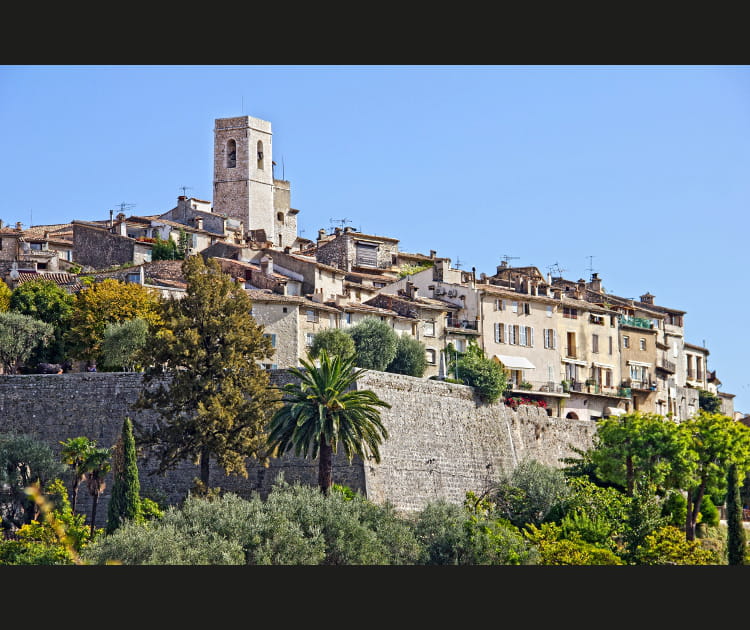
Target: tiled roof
[61, 279]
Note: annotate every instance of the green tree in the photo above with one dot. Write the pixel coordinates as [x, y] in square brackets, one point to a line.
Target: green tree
[97, 466]
[321, 413]
[46, 301]
[667, 546]
[708, 401]
[716, 442]
[410, 357]
[106, 302]
[643, 446]
[123, 341]
[24, 460]
[164, 249]
[559, 546]
[5, 294]
[125, 502]
[75, 452]
[374, 342]
[183, 244]
[334, 341]
[19, 336]
[204, 378]
[736, 536]
[475, 369]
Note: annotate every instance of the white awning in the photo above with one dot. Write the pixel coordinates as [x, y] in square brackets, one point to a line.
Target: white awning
[576, 361]
[639, 363]
[603, 365]
[613, 411]
[516, 363]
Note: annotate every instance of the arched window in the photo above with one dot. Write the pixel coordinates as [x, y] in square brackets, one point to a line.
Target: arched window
[260, 155]
[231, 154]
[572, 415]
[280, 217]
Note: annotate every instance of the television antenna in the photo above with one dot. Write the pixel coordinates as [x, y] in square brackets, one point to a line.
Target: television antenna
[506, 258]
[341, 222]
[458, 263]
[556, 269]
[591, 265]
[184, 190]
[125, 206]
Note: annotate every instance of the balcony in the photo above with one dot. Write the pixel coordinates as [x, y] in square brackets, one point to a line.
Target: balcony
[667, 366]
[547, 388]
[597, 389]
[462, 325]
[635, 322]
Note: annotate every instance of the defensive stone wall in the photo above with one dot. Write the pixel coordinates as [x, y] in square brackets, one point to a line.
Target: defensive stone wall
[442, 440]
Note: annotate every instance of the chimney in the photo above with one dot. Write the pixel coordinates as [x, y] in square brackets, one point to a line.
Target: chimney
[287, 250]
[647, 298]
[2, 224]
[321, 233]
[433, 253]
[18, 227]
[181, 198]
[596, 283]
[483, 278]
[266, 265]
[122, 227]
[411, 290]
[337, 231]
[199, 222]
[348, 228]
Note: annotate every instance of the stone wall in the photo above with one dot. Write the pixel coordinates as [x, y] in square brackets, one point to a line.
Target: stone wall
[98, 248]
[442, 440]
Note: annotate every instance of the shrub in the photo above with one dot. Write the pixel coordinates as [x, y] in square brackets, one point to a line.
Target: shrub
[334, 341]
[375, 343]
[410, 357]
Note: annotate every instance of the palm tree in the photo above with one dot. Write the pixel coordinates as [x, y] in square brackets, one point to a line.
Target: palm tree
[321, 413]
[96, 467]
[74, 453]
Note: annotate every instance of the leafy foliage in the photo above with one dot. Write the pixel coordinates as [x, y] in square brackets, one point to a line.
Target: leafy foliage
[736, 536]
[5, 294]
[107, 302]
[408, 270]
[708, 401]
[204, 379]
[320, 414]
[74, 453]
[667, 545]
[334, 341]
[558, 545]
[475, 369]
[46, 301]
[410, 358]
[24, 460]
[123, 342]
[165, 249]
[375, 343]
[19, 336]
[125, 501]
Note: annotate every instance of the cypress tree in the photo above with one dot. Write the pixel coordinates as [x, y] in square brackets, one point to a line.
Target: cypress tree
[736, 539]
[125, 503]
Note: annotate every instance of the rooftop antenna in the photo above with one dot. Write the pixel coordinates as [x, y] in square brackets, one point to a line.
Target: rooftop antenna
[591, 265]
[184, 190]
[506, 258]
[125, 206]
[342, 222]
[458, 263]
[556, 269]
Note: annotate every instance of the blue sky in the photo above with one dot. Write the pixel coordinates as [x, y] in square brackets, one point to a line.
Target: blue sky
[639, 173]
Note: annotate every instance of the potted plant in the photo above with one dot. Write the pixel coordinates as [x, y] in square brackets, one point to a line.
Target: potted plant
[525, 385]
[565, 386]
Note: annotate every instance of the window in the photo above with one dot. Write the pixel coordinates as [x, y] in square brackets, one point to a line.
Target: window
[638, 373]
[367, 254]
[527, 308]
[348, 318]
[429, 329]
[135, 278]
[332, 320]
[675, 350]
[522, 339]
[430, 356]
[514, 307]
[570, 313]
[284, 309]
[269, 366]
[549, 311]
[625, 341]
[272, 337]
[513, 335]
[643, 344]
[312, 316]
[280, 217]
[550, 339]
[378, 285]
[499, 305]
[309, 338]
[571, 344]
[595, 343]
[610, 345]
[260, 155]
[499, 333]
[231, 154]
[414, 330]
[460, 345]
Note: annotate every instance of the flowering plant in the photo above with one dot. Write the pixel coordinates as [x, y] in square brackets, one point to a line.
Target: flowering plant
[514, 401]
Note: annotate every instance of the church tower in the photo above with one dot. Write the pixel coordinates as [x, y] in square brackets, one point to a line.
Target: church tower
[244, 185]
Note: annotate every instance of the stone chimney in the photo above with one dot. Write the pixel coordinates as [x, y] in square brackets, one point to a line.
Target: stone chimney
[122, 228]
[348, 228]
[266, 265]
[337, 231]
[321, 233]
[411, 290]
[433, 253]
[199, 222]
[596, 283]
[647, 298]
[2, 224]
[18, 227]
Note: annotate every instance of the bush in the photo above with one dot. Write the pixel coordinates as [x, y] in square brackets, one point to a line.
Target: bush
[410, 357]
[473, 368]
[375, 343]
[334, 341]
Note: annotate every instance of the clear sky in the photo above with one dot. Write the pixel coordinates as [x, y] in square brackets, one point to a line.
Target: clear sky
[639, 173]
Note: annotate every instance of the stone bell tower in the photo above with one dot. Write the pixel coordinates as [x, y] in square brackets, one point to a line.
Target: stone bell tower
[244, 185]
